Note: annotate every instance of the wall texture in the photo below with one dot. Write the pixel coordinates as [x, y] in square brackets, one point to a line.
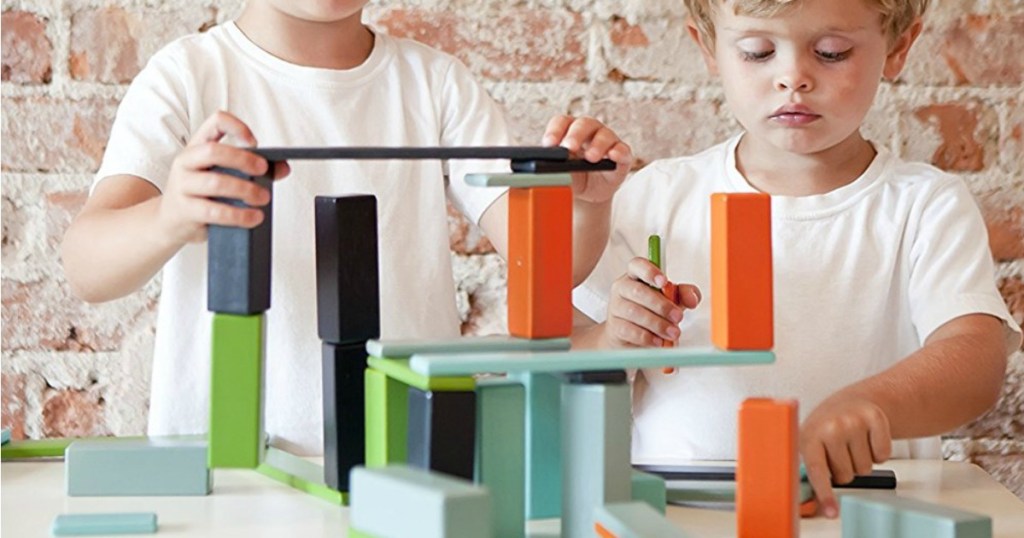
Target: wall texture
[73, 369]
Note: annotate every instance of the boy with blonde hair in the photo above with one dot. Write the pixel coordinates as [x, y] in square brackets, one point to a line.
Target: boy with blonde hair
[888, 322]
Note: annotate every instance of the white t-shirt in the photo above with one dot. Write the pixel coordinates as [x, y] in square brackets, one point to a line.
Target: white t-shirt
[863, 275]
[404, 94]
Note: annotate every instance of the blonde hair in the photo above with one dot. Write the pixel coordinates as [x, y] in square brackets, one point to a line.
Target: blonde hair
[897, 15]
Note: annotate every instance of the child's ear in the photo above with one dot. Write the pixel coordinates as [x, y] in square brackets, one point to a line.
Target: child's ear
[706, 48]
[897, 57]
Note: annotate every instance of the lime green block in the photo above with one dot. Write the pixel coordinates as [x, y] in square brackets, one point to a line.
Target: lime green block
[650, 489]
[236, 439]
[399, 369]
[387, 419]
[301, 484]
[356, 533]
[45, 448]
[500, 462]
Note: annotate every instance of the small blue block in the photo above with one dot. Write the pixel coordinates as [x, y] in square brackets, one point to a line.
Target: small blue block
[97, 524]
[137, 467]
[5, 436]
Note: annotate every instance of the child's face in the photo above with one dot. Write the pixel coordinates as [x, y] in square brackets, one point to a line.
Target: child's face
[319, 10]
[803, 81]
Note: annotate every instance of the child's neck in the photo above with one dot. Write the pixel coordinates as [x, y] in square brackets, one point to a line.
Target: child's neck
[341, 44]
[771, 171]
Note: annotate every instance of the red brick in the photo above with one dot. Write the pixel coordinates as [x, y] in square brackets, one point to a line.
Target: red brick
[73, 413]
[959, 137]
[985, 49]
[628, 35]
[1012, 289]
[1005, 232]
[55, 135]
[1012, 139]
[27, 51]
[464, 237]
[655, 50]
[12, 408]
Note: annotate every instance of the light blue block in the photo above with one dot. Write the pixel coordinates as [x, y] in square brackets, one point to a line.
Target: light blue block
[884, 515]
[137, 467]
[402, 501]
[446, 364]
[714, 491]
[519, 180]
[296, 466]
[543, 439]
[500, 461]
[635, 520]
[650, 489]
[595, 453]
[100, 524]
[5, 436]
[401, 349]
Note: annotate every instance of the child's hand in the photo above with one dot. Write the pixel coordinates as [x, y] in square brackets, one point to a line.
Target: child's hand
[843, 437]
[185, 205]
[641, 316]
[591, 140]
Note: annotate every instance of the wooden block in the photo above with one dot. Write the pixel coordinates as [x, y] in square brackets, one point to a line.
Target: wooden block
[648, 488]
[399, 370]
[594, 376]
[741, 271]
[344, 398]
[884, 515]
[500, 462]
[442, 430]
[144, 467]
[5, 436]
[236, 414]
[403, 349]
[387, 419]
[52, 447]
[767, 469]
[524, 180]
[633, 520]
[543, 431]
[300, 474]
[104, 524]
[540, 262]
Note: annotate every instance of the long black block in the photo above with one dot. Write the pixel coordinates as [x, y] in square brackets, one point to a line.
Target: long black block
[442, 430]
[344, 415]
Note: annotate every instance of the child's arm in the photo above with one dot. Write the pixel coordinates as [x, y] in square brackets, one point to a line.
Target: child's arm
[128, 229]
[955, 377]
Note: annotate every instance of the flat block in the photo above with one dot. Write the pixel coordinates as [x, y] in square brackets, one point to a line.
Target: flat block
[387, 419]
[236, 380]
[588, 360]
[554, 167]
[302, 475]
[633, 520]
[767, 469]
[347, 285]
[97, 524]
[430, 505]
[594, 376]
[521, 180]
[884, 515]
[442, 430]
[344, 398]
[543, 431]
[500, 462]
[147, 467]
[399, 370]
[878, 479]
[554, 153]
[402, 349]
[53, 447]
[238, 273]
[650, 489]
[715, 491]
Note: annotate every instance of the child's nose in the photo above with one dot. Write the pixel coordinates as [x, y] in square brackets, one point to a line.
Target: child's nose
[795, 78]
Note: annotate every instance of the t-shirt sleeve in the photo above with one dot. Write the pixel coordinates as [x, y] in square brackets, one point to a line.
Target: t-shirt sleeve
[952, 273]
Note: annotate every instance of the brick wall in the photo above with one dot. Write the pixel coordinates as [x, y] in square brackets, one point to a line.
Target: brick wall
[74, 369]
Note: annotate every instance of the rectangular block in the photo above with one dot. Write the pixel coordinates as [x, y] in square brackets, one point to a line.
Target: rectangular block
[519, 180]
[767, 469]
[236, 390]
[540, 262]
[427, 505]
[650, 489]
[442, 430]
[104, 524]
[344, 398]
[146, 467]
[387, 419]
[741, 271]
[547, 153]
[347, 284]
[543, 431]
[884, 515]
[555, 167]
[633, 520]
[399, 370]
[402, 349]
[878, 479]
[53, 447]
[238, 270]
[594, 376]
[500, 462]
[300, 474]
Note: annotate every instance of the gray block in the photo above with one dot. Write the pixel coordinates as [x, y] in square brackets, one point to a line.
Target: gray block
[104, 524]
[138, 467]
[884, 515]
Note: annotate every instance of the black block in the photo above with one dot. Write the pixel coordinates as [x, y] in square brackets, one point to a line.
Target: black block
[595, 377]
[555, 167]
[442, 431]
[344, 415]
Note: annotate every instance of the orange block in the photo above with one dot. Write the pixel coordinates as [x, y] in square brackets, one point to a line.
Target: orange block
[540, 262]
[671, 292]
[603, 532]
[741, 271]
[767, 470]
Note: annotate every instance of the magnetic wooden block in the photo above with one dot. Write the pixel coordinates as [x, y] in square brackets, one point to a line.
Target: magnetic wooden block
[594, 376]
[442, 430]
[741, 271]
[347, 284]
[5, 436]
[500, 462]
[402, 501]
[595, 453]
[522, 153]
[236, 414]
[523, 180]
[387, 419]
[344, 398]
[239, 259]
[543, 431]
[538, 166]
[300, 474]
[767, 469]
[809, 508]
[53, 447]
[633, 520]
[715, 491]
[648, 488]
[540, 262]
[399, 370]
[403, 349]
[884, 515]
[145, 467]
[104, 524]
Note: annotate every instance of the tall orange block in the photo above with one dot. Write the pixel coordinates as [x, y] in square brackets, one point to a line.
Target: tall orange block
[540, 262]
[767, 470]
[741, 271]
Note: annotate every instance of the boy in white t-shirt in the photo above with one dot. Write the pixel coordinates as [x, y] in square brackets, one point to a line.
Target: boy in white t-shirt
[888, 322]
[298, 74]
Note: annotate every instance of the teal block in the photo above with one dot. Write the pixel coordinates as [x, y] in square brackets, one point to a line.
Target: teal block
[500, 460]
[635, 520]
[447, 364]
[295, 466]
[402, 501]
[104, 524]
[138, 467]
[401, 349]
[543, 439]
[884, 515]
[5, 436]
[519, 180]
[650, 489]
[595, 453]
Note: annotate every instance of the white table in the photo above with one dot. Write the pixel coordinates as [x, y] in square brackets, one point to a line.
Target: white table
[247, 504]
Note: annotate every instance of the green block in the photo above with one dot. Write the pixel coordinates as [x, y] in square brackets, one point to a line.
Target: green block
[635, 520]
[399, 370]
[519, 180]
[144, 467]
[650, 489]
[300, 474]
[35, 448]
[387, 419]
[500, 460]
[884, 515]
[403, 349]
[104, 524]
[236, 427]
[356, 533]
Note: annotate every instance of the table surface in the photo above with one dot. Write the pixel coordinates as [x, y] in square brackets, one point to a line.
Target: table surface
[245, 503]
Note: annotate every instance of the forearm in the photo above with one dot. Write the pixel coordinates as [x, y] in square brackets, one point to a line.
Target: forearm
[586, 334]
[591, 227]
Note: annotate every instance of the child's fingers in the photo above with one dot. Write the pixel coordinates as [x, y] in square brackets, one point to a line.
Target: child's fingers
[689, 295]
[820, 478]
[860, 454]
[211, 212]
[210, 154]
[217, 185]
[628, 333]
[282, 169]
[880, 438]
[643, 270]
[556, 129]
[220, 124]
[839, 461]
[622, 154]
[580, 131]
[643, 317]
[599, 144]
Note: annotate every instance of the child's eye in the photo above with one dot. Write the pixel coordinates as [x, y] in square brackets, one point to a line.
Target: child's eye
[831, 56]
[756, 56]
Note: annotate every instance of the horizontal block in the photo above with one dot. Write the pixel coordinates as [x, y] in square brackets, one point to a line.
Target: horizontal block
[519, 180]
[884, 515]
[103, 524]
[401, 349]
[554, 153]
[724, 491]
[296, 466]
[878, 479]
[399, 370]
[149, 467]
[451, 364]
[596, 376]
[633, 520]
[557, 167]
[316, 489]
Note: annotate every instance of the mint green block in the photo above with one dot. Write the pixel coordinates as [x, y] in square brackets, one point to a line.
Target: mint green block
[635, 520]
[399, 369]
[145, 467]
[650, 489]
[500, 460]
[579, 361]
[236, 380]
[403, 349]
[387, 419]
[519, 180]
[714, 491]
[5, 436]
[543, 439]
[884, 515]
[402, 501]
[104, 524]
